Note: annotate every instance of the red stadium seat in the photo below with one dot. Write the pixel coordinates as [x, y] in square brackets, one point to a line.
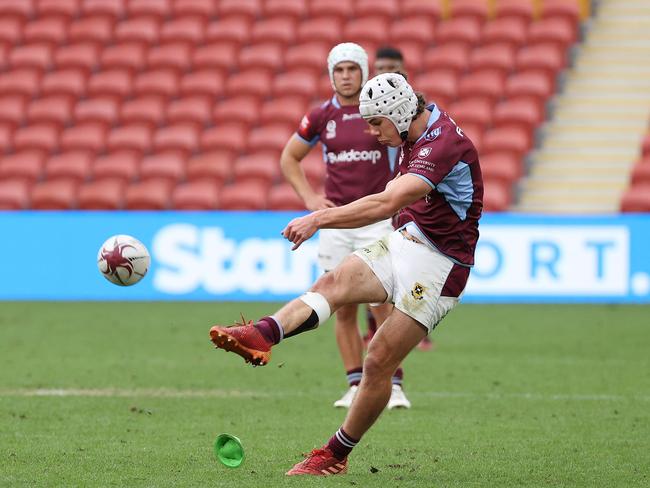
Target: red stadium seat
[472, 111]
[190, 30]
[512, 140]
[56, 110]
[431, 9]
[473, 9]
[148, 195]
[202, 9]
[284, 197]
[295, 9]
[366, 30]
[89, 136]
[215, 56]
[44, 137]
[180, 138]
[413, 53]
[48, 30]
[645, 145]
[529, 85]
[270, 137]
[4, 54]
[20, 9]
[14, 194]
[498, 57]
[169, 167]
[70, 165]
[22, 82]
[80, 56]
[35, 56]
[101, 195]
[562, 9]
[158, 9]
[205, 83]
[136, 137]
[99, 110]
[148, 110]
[440, 87]
[463, 30]
[280, 30]
[64, 9]
[253, 82]
[545, 58]
[197, 195]
[515, 9]
[97, 30]
[413, 29]
[212, 166]
[502, 167]
[518, 113]
[262, 167]
[511, 31]
[475, 134]
[25, 165]
[6, 134]
[225, 136]
[245, 8]
[636, 199]
[286, 110]
[70, 83]
[11, 30]
[248, 195]
[342, 9]
[486, 84]
[453, 57]
[497, 196]
[296, 83]
[267, 56]
[127, 55]
[112, 9]
[195, 110]
[325, 91]
[121, 166]
[310, 56]
[139, 30]
[314, 167]
[111, 83]
[557, 31]
[160, 82]
[172, 56]
[242, 110]
[234, 31]
[12, 110]
[320, 29]
[388, 9]
[54, 195]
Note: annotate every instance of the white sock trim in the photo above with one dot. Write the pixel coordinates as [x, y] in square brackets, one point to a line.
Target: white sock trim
[319, 304]
[277, 321]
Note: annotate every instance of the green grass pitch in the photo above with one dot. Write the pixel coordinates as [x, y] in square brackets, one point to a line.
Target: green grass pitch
[133, 394]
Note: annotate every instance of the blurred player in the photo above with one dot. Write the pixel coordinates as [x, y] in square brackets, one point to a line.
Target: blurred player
[357, 165]
[422, 267]
[390, 60]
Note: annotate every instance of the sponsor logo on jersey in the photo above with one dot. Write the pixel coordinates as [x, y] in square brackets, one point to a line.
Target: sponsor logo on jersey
[304, 123]
[424, 152]
[417, 291]
[351, 116]
[433, 135]
[331, 129]
[353, 155]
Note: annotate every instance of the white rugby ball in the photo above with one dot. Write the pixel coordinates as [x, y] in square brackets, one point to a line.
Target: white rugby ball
[123, 260]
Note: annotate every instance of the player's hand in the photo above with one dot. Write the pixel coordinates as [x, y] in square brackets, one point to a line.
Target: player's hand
[299, 230]
[318, 202]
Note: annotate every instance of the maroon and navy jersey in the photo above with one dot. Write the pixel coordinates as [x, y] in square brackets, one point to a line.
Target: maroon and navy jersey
[447, 160]
[357, 165]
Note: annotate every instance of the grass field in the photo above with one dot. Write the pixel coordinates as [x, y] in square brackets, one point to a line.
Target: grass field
[132, 394]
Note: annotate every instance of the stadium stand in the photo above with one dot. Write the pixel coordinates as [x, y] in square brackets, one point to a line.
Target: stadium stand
[190, 101]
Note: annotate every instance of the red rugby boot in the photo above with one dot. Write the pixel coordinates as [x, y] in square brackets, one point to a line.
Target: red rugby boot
[243, 339]
[320, 462]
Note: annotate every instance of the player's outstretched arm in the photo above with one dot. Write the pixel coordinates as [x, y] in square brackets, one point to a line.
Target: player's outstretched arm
[367, 210]
[293, 153]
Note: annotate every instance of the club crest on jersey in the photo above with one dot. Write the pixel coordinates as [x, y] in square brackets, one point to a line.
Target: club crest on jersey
[424, 152]
[331, 129]
[433, 135]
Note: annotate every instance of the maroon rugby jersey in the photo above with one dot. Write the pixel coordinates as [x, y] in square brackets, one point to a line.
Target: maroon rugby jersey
[447, 160]
[357, 165]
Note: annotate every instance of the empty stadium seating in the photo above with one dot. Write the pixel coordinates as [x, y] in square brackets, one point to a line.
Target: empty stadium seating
[191, 101]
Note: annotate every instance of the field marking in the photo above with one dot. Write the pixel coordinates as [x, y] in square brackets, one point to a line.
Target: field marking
[176, 393]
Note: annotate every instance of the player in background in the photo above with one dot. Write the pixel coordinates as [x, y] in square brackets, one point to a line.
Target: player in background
[422, 267]
[356, 166]
[389, 59]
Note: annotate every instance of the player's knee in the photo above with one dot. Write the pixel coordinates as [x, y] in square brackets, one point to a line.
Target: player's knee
[346, 316]
[376, 366]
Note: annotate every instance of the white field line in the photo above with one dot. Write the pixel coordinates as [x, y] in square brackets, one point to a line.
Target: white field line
[175, 393]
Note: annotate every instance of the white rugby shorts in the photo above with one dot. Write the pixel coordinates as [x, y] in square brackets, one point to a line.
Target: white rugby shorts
[335, 244]
[413, 276]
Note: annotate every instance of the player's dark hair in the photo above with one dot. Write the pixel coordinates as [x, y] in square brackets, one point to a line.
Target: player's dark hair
[422, 104]
[390, 53]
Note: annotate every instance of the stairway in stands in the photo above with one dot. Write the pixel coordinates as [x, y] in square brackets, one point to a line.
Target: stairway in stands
[593, 138]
